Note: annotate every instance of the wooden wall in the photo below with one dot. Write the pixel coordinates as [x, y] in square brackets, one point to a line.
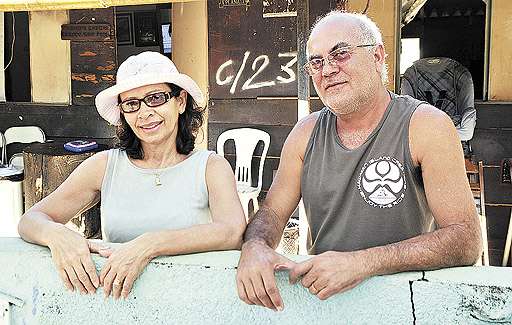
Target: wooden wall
[252, 68]
[492, 142]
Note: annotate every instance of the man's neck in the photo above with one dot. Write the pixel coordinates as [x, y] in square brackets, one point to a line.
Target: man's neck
[354, 128]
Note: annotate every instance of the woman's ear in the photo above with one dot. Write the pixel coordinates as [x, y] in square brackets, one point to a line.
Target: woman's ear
[182, 101]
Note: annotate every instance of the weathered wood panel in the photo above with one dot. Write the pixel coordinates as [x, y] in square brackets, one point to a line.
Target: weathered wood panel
[46, 167]
[244, 62]
[57, 121]
[495, 190]
[493, 115]
[492, 145]
[93, 64]
[253, 111]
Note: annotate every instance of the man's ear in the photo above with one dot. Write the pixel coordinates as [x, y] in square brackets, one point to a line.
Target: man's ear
[379, 54]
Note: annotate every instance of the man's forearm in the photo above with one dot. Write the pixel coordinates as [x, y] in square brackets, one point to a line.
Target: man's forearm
[265, 226]
[458, 244]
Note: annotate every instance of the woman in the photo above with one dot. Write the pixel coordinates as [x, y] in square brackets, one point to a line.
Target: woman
[158, 195]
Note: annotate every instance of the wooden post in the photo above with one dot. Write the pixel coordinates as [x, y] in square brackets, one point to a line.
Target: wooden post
[303, 97]
[47, 165]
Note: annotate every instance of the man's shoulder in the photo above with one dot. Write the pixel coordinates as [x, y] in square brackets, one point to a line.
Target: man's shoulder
[430, 129]
[304, 127]
[298, 138]
[428, 118]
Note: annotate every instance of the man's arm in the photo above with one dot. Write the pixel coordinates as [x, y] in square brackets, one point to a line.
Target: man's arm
[457, 241]
[284, 194]
[435, 147]
[258, 260]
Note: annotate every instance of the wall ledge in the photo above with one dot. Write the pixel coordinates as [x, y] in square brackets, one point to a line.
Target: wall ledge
[201, 288]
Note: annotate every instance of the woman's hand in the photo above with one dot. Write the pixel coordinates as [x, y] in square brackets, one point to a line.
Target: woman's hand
[124, 265]
[72, 258]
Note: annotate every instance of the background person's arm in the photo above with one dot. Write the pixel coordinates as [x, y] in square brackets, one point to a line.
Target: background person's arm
[43, 224]
[126, 262]
[435, 146]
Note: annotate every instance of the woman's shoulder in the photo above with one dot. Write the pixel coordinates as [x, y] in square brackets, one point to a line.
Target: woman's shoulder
[217, 165]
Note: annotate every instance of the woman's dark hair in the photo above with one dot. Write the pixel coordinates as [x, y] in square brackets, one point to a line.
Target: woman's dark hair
[189, 123]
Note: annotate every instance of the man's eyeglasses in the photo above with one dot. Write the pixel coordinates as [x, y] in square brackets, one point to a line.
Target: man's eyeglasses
[337, 57]
[151, 100]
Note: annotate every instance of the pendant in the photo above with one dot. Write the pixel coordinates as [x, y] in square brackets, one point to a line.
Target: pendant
[157, 180]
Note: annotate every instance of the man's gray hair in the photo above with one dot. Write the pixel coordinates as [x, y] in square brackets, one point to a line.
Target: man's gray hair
[370, 32]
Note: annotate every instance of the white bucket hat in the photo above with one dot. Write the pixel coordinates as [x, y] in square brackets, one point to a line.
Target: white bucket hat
[146, 68]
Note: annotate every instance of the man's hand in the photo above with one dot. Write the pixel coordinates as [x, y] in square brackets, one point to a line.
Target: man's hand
[255, 279]
[331, 272]
[124, 265]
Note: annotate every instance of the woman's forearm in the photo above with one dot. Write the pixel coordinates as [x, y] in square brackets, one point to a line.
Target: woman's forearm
[198, 238]
[38, 228]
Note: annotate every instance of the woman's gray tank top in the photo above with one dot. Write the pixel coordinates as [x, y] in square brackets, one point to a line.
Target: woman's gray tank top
[365, 197]
[132, 203]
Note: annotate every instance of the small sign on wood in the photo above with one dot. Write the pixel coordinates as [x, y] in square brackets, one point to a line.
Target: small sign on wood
[85, 32]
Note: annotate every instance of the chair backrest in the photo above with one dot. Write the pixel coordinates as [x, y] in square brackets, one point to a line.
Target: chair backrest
[246, 140]
[17, 161]
[442, 82]
[24, 134]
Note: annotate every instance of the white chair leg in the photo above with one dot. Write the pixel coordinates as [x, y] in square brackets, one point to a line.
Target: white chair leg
[485, 257]
[245, 205]
[506, 252]
[255, 204]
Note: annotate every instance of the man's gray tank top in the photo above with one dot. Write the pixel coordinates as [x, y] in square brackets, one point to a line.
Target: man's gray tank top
[368, 196]
[132, 203]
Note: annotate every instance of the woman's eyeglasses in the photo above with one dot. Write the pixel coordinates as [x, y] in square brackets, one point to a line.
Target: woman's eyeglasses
[337, 57]
[152, 100]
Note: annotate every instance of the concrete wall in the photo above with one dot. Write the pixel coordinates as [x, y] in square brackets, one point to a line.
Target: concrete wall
[50, 61]
[200, 289]
[190, 47]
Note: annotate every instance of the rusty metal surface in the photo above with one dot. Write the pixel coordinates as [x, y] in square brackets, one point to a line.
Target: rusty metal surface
[93, 63]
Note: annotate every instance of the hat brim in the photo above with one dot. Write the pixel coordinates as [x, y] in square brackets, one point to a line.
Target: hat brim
[107, 100]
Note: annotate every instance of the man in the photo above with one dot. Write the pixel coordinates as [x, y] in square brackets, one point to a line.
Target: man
[375, 171]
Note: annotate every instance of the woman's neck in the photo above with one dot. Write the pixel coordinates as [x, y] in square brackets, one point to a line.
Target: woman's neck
[160, 156]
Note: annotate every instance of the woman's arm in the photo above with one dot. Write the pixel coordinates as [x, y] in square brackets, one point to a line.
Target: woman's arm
[228, 220]
[225, 232]
[43, 223]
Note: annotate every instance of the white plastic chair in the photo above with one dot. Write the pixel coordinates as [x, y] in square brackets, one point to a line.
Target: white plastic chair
[16, 161]
[3, 153]
[23, 134]
[246, 140]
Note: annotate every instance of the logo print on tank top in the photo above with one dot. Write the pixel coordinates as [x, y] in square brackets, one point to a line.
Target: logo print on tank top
[381, 182]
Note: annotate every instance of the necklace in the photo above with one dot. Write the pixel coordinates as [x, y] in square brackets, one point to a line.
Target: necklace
[157, 180]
